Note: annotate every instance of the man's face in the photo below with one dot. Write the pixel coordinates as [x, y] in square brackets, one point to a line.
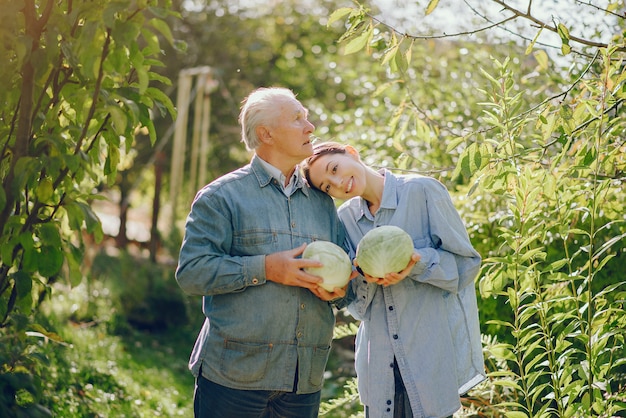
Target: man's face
[291, 131]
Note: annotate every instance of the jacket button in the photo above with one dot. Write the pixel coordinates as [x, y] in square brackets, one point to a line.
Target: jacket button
[391, 308]
[255, 281]
[395, 336]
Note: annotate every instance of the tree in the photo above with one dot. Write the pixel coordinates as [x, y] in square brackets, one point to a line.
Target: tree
[541, 173]
[79, 85]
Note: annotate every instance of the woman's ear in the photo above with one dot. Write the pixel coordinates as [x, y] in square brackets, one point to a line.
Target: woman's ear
[350, 150]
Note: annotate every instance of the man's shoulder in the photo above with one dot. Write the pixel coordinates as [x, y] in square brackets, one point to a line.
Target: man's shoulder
[227, 181]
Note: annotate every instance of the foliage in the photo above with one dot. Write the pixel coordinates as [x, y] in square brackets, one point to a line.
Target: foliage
[340, 398]
[337, 406]
[108, 365]
[531, 148]
[558, 229]
[79, 86]
[544, 166]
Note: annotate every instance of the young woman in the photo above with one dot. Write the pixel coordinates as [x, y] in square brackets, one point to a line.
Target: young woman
[418, 346]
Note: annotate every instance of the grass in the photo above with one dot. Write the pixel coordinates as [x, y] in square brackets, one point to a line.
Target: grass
[105, 367]
[101, 375]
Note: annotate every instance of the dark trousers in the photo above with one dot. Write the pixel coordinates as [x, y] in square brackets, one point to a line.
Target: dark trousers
[215, 401]
[402, 407]
[401, 398]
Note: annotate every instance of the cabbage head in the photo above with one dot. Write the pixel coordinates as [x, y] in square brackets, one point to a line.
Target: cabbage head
[337, 267]
[386, 249]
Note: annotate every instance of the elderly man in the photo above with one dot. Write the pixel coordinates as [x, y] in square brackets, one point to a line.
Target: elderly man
[266, 338]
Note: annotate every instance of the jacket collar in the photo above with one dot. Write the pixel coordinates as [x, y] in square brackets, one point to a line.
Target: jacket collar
[390, 194]
[264, 177]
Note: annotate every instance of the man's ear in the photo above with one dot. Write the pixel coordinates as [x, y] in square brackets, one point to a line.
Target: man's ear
[264, 135]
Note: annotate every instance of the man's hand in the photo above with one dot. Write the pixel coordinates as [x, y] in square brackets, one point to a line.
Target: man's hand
[391, 278]
[337, 293]
[285, 267]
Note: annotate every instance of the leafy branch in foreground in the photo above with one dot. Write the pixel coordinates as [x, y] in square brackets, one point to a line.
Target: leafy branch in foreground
[349, 396]
[565, 329]
[79, 88]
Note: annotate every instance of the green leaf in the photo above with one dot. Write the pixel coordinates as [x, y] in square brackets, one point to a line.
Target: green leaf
[50, 260]
[358, 43]
[163, 28]
[3, 200]
[4, 303]
[23, 284]
[390, 55]
[563, 33]
[532, 44]
[49, 234]
[515, 414]
[74, 259]
[507, 384]
[161, 97]
[401, 62]
[29, 254]
[455, 142]
[92, 222]
[151, 132]
[499, 322]
[75, 215]
[542, 59]
[502, 351]
[432, 5]
[44, 190]
[112, 160]
[339, 14]
[513, 299]
[119, 120]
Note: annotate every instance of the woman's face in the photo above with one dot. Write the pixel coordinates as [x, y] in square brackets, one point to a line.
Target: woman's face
[340, 175]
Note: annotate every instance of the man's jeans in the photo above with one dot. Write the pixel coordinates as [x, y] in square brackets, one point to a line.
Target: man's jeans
[215, 401]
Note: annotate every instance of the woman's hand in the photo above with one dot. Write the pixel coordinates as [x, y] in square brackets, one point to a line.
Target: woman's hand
[391, 278]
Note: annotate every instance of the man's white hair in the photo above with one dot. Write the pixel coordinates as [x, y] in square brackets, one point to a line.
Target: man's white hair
[261, 108]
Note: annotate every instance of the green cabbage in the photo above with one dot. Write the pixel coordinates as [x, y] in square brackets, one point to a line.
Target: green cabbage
[337, 267]
[383, 250]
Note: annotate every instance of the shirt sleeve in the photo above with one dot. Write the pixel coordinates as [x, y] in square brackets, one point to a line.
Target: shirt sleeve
[205, 265]
[449, 261]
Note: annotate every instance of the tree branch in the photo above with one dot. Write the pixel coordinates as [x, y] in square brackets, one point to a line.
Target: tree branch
[528, 16]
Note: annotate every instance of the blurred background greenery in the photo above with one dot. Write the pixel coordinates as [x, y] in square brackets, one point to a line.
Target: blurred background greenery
[523, 123]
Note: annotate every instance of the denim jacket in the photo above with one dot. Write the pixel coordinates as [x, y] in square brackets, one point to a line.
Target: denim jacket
[429, 321]
[257, 334]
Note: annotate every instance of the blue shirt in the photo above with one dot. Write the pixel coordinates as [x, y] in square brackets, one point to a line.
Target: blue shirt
[429, 321]
[257, 333]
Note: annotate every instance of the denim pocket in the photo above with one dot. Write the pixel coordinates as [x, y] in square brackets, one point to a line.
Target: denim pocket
[245, 362]
[319, 357]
